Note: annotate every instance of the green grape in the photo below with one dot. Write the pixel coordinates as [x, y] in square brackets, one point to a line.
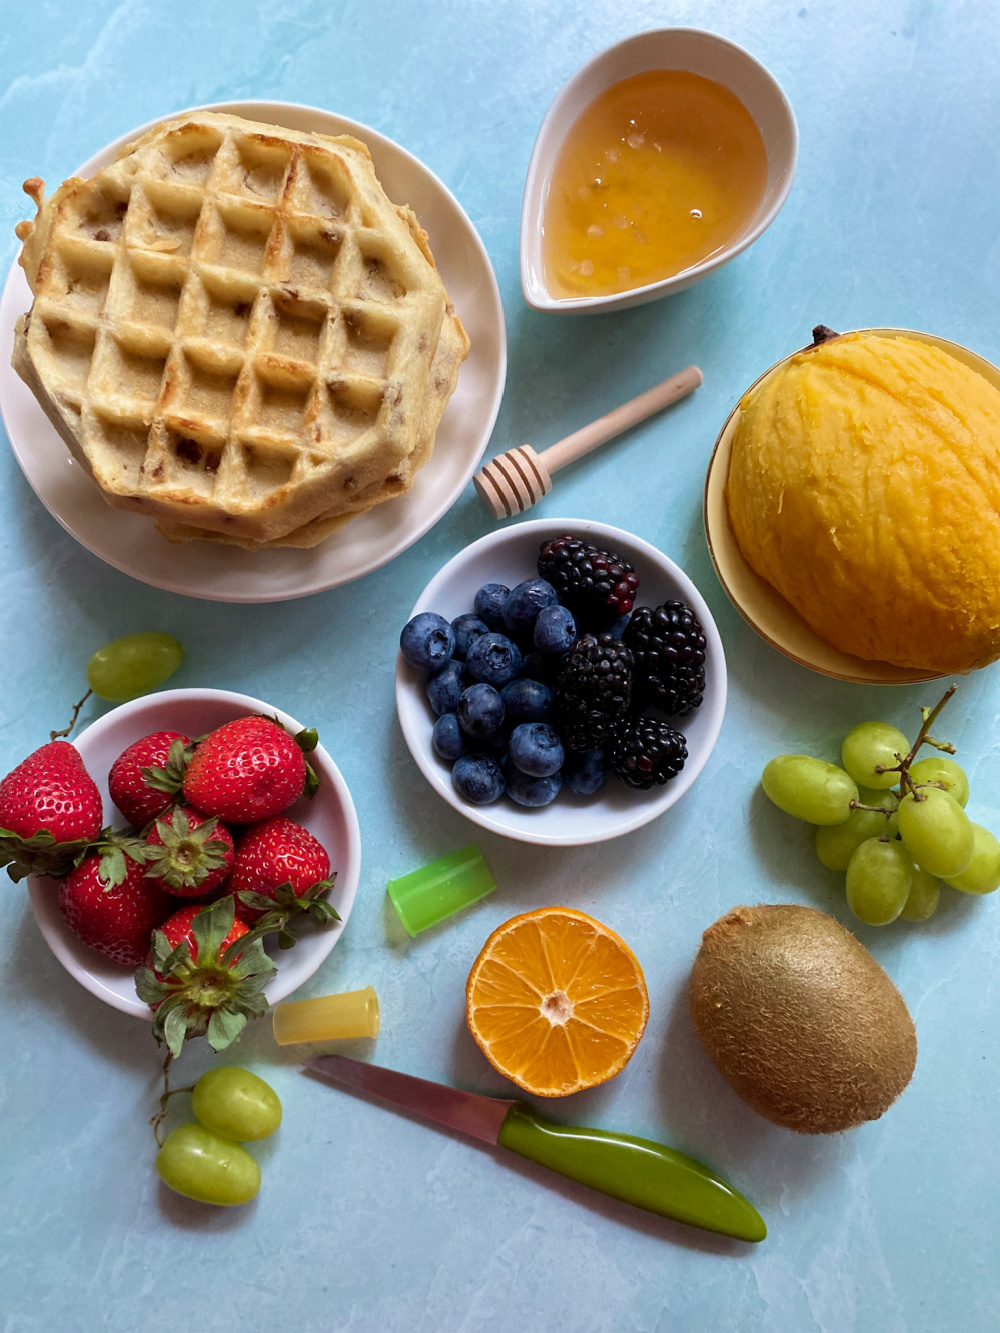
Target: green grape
[879, 878]
[936, 831]
[982, 875]
[939, 768]
[868, 745]
[924, 894]
[810, 789]
[202, 1166]
[885, 797]
[236, 1104]
[134, 665]
[837, 843]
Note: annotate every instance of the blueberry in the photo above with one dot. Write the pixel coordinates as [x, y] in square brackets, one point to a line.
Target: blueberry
[535, 748]
[427, 641]
[480, 711]
[555, 629]
[520, 611]
[467, 628]
[526, 700]
[531, 791]
[447, 737]
[618, 628]
[494, 659]
[489, 603]
[478, 777]
[444, 688]
[585, 773]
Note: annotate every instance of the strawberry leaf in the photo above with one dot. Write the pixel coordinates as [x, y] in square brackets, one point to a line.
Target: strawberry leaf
[250, 985]
[39, 855]
[148, 987]
[307, 739]
[167, 961]
[211, 926]
[224, 1026]
[185, 856]
[43, 838]
[260, 902]
[170, 778]
[323, 911]
[113, 868]
[252, 959]
[175, 1029]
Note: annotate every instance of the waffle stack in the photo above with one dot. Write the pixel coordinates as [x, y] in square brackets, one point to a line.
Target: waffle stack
[236, 332]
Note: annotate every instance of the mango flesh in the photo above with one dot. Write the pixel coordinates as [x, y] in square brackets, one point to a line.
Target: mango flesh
[864, 486]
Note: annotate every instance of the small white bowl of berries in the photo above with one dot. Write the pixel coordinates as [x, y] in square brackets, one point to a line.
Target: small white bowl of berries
[561, 682]
[169, 805]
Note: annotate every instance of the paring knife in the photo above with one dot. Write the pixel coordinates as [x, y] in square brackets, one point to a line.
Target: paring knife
[635, 1170]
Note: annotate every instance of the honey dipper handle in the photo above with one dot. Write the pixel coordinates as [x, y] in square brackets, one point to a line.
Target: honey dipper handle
[605, 428]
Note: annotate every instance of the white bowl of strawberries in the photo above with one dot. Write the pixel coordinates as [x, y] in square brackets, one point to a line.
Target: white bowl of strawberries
[228, 818]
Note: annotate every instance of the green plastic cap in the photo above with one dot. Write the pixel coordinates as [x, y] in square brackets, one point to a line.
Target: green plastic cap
[439, 890]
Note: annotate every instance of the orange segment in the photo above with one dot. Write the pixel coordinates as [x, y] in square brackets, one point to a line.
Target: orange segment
[556, 1001]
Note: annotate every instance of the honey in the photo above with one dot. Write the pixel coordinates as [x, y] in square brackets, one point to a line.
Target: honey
[659, 173]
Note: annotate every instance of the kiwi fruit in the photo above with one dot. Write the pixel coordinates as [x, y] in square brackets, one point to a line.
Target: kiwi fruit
[799, 1019]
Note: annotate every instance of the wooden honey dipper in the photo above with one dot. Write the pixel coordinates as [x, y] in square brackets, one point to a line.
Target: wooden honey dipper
[512, 482]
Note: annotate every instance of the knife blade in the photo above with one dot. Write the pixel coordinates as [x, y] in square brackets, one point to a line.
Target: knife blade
[637, 1171]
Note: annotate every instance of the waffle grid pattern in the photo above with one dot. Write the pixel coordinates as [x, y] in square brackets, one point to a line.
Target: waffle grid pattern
[234, 320]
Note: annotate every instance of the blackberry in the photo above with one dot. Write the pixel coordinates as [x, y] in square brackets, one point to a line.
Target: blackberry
[647, 752]
[598, 586]
[593, 691]
[669, 648]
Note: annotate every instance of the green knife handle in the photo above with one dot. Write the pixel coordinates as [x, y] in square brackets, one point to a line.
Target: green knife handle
[637, 1171]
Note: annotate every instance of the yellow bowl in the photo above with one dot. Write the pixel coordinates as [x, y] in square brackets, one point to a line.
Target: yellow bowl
[760, 605]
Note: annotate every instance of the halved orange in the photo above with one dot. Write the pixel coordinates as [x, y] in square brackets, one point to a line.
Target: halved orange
[556, 1001]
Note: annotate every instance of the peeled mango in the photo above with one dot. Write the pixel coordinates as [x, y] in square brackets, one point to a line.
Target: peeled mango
[864, 486]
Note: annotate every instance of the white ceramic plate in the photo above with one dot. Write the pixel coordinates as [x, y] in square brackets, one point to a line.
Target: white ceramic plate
[509, 556]
[663, 48]
[131, 543]
[329, 815]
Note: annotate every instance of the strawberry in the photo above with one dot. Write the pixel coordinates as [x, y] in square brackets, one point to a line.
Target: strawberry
[111, 906]
[279, 870]
[145, 778]
[188, 852]
[50, 809]
[205, 974]
[249, 769]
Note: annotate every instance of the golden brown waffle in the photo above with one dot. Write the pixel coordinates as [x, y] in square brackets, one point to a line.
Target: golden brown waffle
[452, 348]
[233, 328]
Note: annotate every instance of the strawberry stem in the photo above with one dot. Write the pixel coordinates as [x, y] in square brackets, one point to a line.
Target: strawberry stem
[157, 1120]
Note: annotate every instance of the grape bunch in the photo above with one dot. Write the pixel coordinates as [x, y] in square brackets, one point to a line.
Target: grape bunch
[895, 823]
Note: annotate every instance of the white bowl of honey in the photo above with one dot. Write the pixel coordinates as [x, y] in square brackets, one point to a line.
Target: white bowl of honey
[659, 161]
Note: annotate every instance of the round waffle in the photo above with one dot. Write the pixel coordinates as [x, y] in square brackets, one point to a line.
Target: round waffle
[234, 329]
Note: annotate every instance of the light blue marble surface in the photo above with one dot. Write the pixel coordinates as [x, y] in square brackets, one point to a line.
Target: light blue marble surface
[368, 1221]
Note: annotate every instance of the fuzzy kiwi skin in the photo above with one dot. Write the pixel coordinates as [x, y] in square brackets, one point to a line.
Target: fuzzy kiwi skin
[799, 1018]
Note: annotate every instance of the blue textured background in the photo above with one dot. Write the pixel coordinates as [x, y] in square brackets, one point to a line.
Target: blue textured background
[368, 1221]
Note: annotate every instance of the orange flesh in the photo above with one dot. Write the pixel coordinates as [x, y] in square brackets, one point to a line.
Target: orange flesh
[556, 1001]
[660, 172]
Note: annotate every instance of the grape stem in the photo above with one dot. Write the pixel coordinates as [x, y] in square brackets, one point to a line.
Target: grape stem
[930, 716]
[56, 735]
[876, 810]
[157, 1120]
